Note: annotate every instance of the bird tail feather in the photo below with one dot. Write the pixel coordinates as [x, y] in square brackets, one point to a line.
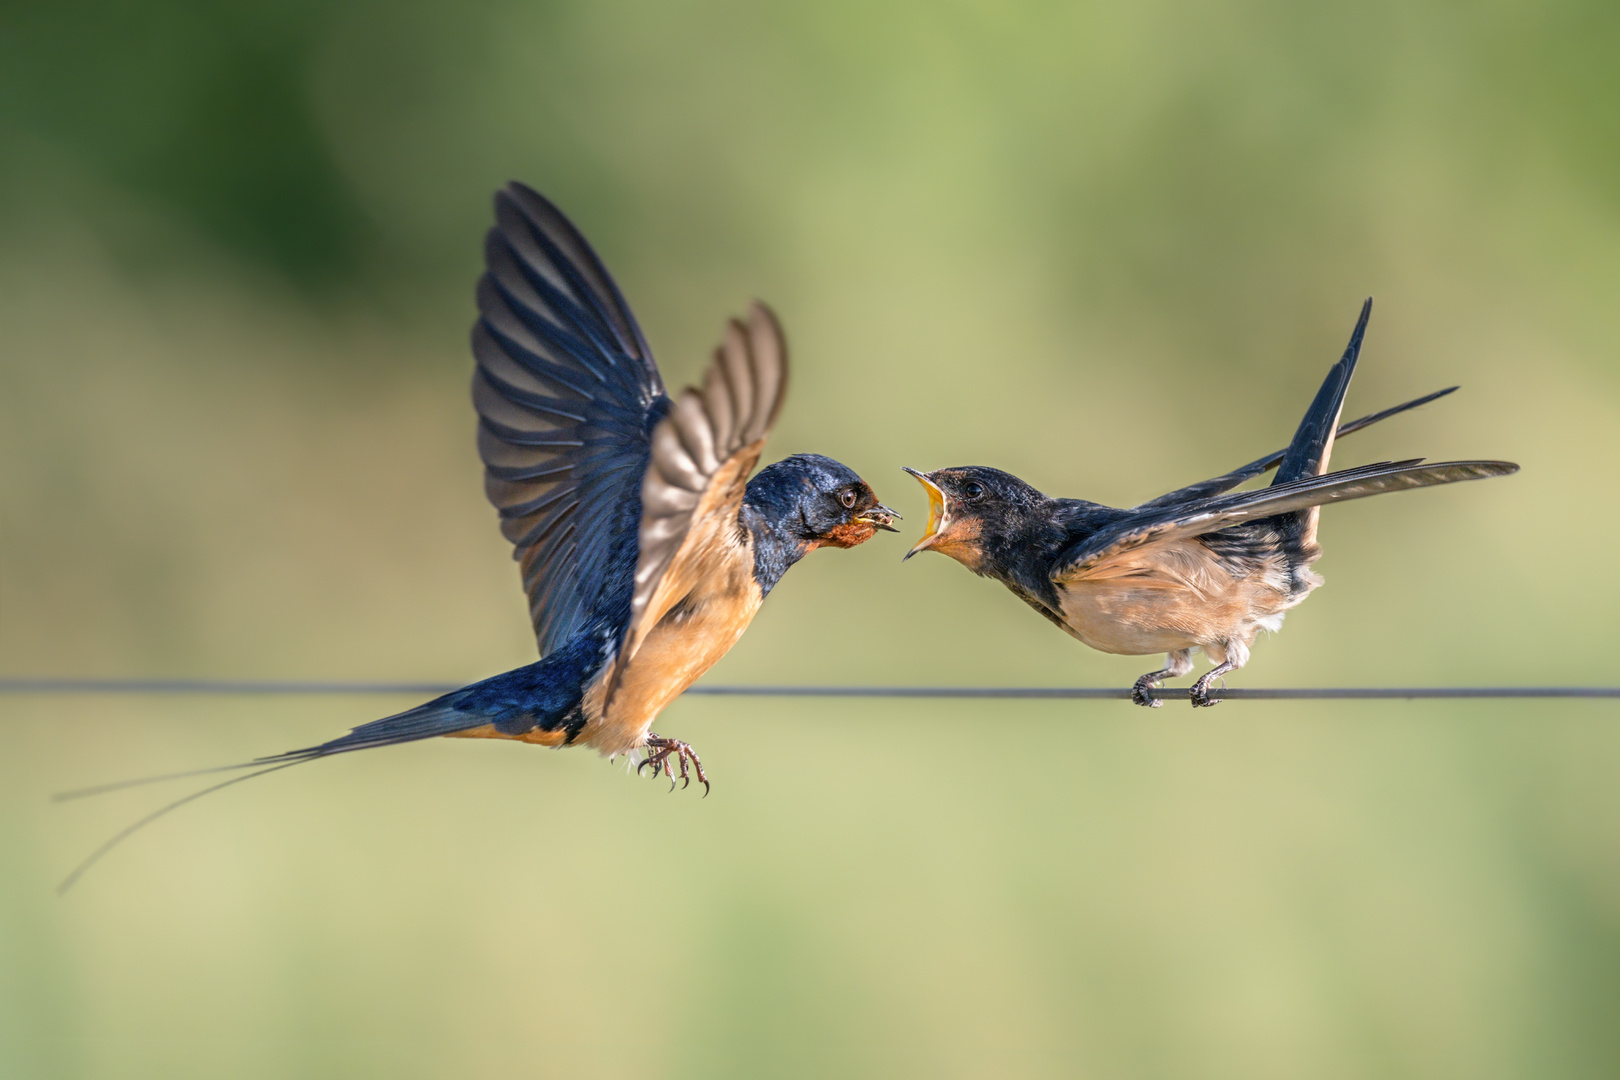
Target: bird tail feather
[436, 717]
[543, 694]
[1312, 445]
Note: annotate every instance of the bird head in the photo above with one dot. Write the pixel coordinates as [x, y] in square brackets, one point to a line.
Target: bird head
[970, 509]
[823, 502]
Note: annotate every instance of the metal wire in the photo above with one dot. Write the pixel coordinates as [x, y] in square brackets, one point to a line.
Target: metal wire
[1084, 693]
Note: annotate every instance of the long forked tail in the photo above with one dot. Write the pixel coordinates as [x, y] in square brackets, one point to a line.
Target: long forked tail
[1308, 452]
[441, 716]
[1206, 489]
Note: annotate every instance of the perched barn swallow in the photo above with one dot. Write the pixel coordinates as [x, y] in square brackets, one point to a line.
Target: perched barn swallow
[1196, 568]
[645, 548]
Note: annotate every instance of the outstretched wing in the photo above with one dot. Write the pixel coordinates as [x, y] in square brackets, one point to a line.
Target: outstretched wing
[567, 396]
[1227, 481]
[702, 453]
[1091, 555]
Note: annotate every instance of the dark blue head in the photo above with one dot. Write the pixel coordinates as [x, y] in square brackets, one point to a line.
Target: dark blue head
[974, 510]
[815, 502]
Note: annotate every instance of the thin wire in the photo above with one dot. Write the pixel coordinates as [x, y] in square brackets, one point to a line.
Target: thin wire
[1084, 693]
[214, 686]
[260, 687]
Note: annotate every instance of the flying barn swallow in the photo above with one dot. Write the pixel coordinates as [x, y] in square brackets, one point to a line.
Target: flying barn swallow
[1196, 568]
[645, 548]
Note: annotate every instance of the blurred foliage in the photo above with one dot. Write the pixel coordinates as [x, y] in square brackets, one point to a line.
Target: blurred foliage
[1109, 248]
[202, 106]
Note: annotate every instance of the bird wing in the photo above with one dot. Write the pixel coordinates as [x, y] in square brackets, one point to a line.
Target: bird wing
[567, 396]
[1091, 555]
[702, 454]
[1259, 466]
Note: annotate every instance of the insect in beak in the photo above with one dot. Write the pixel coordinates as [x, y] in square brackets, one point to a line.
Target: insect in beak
[880, 516]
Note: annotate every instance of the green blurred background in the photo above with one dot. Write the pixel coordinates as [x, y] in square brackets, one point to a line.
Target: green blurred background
[1108, 247]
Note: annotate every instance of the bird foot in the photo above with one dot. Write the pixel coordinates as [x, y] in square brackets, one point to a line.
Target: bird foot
[1200, 691]
[665, 755]
[1139, 691]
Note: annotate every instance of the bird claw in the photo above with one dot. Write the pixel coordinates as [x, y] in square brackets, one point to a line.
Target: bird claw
[665, 755]
[1140, 692]
[1200, 692]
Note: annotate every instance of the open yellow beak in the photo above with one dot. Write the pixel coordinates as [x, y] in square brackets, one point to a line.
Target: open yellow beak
[938, 513]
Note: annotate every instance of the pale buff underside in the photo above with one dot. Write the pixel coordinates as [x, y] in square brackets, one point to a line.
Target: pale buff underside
[1176, 595]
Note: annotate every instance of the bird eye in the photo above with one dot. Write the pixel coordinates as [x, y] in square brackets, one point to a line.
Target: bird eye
[972, 489]
[848, 499]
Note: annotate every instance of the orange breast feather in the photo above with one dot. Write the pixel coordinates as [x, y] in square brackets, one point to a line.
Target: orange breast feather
[692, 635]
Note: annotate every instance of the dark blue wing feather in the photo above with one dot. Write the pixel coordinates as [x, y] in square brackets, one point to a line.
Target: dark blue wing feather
[1203, 516]
[567, 396]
